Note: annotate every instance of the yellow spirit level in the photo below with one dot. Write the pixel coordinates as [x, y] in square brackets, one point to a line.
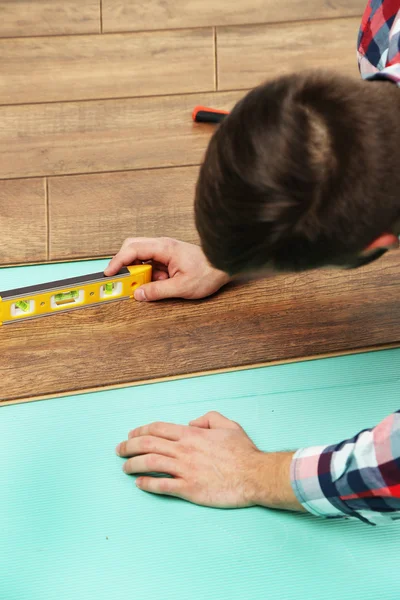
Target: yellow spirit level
[70, 294]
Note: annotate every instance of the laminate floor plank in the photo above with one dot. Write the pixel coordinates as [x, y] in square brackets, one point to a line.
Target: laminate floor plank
[249, 55]
[91, 215]
[286, 317]
[125, 15]
[48, 17]
[22, 221]
[104, 135]
[85, 67]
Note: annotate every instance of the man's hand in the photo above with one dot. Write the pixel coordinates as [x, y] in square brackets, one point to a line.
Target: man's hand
[180, 270]
[211, 462]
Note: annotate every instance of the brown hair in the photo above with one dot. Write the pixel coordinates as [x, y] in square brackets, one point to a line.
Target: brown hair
[303, 173]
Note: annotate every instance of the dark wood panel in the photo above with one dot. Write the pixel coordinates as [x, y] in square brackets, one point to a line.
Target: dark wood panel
[48, 17]
[104, 135]
[22, 221]
[91, 215]
[280, 318]
[248, 55]
[106, 66]
[125, 15]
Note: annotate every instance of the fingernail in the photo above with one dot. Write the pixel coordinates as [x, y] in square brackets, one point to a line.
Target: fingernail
[140, 295]
[118, 449]
[138, 482]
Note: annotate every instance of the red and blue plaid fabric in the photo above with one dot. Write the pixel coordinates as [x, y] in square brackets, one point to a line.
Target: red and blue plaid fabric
[379, 41]
[360, 477]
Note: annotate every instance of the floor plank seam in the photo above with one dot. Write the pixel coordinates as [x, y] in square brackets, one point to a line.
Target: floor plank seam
[177, 29]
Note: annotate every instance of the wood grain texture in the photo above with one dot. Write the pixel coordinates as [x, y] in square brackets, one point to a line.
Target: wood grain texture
[22, 221]
[48, 17]
[251, 54]
[125, 15]
[285, 317]
[105, 135]
[92, 215]
[106, 66]
[121, 386]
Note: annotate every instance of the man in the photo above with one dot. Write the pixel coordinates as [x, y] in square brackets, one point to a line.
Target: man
[302, 174]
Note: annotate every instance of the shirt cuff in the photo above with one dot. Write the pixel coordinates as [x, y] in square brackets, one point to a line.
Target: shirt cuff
[305, 480]
[391, 74]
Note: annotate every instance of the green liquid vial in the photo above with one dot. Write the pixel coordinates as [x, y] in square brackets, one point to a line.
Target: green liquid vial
[22, 305]
[66, 297]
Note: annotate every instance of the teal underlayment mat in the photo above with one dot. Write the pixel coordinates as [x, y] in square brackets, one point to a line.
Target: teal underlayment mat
[12, 277]
[73, 526]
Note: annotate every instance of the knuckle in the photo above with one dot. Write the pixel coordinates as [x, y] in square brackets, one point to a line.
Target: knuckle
[169, 242]
[156, 428]
[135, 432]
[165, 485]
[152, 461]
[154, 291]
[146, 444]
[182, 449]
[190, 490]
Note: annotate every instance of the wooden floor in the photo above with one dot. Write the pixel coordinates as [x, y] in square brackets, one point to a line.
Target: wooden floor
[96, 99]
[97, 144]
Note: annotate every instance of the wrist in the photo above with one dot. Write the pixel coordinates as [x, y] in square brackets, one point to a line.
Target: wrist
[273, 488]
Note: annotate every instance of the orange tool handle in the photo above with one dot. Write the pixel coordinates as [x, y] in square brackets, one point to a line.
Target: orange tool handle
[202, 114]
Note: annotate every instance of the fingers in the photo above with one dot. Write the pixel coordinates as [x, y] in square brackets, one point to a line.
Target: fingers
[159, 275]
[214, 420]
[161, 485]
[158, 249]
[201, 422]
[145, 445]
[159, 290]
[167, 431]
[152, 463]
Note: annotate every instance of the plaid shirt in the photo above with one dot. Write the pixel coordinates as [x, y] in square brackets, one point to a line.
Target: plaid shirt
[360, 477]
[379, 41]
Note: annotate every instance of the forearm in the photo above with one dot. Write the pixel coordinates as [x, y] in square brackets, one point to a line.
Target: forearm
[360, 477]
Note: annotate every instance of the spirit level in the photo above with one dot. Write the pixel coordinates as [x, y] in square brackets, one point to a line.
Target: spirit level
[70, 294]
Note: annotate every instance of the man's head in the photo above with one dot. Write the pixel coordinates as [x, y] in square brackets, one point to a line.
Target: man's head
[302, 174]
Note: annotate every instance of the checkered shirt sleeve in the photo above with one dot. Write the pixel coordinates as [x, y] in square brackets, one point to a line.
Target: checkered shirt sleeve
[378, 47]
[360, 477]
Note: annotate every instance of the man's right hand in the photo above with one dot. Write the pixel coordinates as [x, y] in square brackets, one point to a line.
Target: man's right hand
[180, 270]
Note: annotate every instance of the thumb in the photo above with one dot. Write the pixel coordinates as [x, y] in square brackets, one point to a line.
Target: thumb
[157, 290]
[214, 420]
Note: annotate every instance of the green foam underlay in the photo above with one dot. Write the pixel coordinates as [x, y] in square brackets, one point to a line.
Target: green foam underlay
[74, 526]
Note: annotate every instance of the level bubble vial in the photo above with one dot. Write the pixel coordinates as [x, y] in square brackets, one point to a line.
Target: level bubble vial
[110, 289]
[22, 308]
[67, 299]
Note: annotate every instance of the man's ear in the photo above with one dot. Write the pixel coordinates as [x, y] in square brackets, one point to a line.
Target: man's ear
[386, 241]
